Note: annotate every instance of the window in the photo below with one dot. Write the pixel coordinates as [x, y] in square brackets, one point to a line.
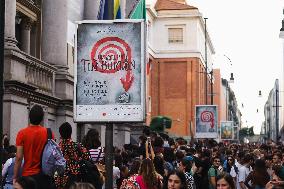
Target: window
[175, 35]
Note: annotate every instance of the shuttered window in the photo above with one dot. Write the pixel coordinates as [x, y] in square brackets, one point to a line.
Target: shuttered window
[175, 35]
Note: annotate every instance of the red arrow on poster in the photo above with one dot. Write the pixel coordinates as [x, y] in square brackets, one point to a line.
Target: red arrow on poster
[127, 82]
[118, 48]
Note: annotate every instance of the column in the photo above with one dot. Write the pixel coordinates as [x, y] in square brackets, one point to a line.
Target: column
[54, 45]
[10, 14]
[91, 8]
[54, 33]
[26, 26]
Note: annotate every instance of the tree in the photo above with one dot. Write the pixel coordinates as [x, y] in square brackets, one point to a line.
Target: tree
[245, 132]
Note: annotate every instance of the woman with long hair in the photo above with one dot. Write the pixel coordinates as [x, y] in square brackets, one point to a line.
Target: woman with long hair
[148, 178]
[185, 166]
[175, 180]
[130, 182]
[74, 153]
[230, 167]
[92, 142]
[225, 181]
[259, 177]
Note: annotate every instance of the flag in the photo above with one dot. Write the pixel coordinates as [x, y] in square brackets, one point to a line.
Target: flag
[139, 12]
[117, 9]
[103, 10]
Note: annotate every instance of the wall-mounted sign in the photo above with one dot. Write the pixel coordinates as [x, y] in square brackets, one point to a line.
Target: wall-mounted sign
[110, 71]
[227, 132]
[206, 121]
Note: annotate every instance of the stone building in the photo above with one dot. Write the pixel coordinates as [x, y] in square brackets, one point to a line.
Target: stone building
[39, 59]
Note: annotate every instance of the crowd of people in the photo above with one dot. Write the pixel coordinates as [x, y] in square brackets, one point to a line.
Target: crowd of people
[156, 162]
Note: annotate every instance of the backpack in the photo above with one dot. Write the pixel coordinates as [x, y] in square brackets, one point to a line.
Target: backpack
[89, 171]
[52, 158]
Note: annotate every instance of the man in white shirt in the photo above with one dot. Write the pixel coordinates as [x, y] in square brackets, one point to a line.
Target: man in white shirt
[244, 171]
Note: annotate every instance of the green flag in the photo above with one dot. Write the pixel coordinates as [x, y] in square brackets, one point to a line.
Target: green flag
[139, 11]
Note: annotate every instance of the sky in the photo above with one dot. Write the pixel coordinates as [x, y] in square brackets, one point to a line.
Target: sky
[247, 32]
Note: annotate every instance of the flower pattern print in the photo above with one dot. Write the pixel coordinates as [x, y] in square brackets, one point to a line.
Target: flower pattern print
[73, 152]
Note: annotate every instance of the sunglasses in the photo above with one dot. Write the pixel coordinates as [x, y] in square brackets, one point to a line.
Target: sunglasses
[230, 159]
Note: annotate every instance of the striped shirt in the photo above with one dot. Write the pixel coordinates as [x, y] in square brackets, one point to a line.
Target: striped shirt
[97, 154]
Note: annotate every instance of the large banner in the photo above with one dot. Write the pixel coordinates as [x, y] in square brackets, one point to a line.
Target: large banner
[206, 121]
[227, 132]
[109, 72]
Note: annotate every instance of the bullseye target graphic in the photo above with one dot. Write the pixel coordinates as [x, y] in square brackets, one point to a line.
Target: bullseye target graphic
[111, 54]
[208, 116]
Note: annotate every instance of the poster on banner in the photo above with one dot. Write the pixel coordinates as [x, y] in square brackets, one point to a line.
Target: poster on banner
[206, 121]
[227, 132]
[110, 71]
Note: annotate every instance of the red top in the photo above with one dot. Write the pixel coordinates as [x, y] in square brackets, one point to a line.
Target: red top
[33, 139]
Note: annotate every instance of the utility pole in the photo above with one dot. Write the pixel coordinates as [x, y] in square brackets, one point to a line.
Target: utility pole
[2, 25]
[206, 66]
[211, 86]
[109, 127]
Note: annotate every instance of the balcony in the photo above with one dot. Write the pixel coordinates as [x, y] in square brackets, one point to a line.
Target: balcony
[29, 70]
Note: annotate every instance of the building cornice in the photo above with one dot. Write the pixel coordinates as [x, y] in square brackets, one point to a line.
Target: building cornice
[29, 92]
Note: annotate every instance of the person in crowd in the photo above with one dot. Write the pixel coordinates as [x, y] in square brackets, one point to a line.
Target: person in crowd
[5, 146]
[148, 178]
[259, 177]
[8, 168]
[225, 181]
[268, 165]
[244, 170]
[73, 152]
[93, 144]
[214, 172]
[130, 182]
[277, 159]
[159, 165]
[277, 181]
[124, 173]
[169, 158]
[30, 142]
[26, 183]
[185, 166]
[116, 175]
[230, 167]
[81, 185]
[175, 180]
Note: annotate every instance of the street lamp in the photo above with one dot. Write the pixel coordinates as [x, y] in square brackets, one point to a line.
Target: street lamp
[206, 66]
[211, 82]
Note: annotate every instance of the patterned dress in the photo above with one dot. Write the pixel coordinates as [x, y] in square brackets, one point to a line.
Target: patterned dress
[73, 152]
[130, 183]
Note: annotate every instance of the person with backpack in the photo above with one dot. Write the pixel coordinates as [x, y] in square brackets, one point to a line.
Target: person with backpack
[30, 143]
[79, 166]
[214, 172]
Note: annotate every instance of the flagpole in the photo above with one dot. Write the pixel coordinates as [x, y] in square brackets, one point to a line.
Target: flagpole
[109, 126]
